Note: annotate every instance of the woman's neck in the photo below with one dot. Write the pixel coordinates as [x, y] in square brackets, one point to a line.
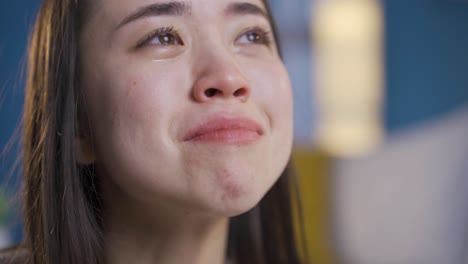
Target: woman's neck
[133, 235]
[171, 244]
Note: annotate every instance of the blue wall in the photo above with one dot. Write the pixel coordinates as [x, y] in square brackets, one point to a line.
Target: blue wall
[16, 18]
[427, 59]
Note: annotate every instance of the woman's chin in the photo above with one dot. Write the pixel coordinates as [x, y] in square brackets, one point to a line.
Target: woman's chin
[233, 198]
[235, 207]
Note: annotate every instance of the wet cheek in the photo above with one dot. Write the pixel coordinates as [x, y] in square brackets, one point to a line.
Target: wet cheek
[138, 99]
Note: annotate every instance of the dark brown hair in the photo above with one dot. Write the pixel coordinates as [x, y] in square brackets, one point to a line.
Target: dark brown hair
[61, 199]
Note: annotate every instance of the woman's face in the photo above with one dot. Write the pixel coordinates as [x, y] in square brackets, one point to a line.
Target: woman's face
[189, 102]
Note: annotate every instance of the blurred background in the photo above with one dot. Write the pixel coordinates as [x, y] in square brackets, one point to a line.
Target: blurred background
[381, 125]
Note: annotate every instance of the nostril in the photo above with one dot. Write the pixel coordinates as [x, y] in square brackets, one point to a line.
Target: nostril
[240, 92]
[211, 92]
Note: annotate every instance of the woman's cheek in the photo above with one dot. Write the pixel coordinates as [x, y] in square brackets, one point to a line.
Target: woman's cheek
[271, 89]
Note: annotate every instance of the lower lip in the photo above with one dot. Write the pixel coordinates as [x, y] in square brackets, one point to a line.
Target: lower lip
[228, 136]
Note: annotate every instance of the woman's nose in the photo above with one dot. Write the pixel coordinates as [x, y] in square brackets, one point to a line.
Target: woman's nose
[219, 77]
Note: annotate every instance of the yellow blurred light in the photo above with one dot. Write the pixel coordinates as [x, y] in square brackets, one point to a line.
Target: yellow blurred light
[347, 43]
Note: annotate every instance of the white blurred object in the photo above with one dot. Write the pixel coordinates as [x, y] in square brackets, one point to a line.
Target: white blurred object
[408, 202]
[5, 239]
[348, 55]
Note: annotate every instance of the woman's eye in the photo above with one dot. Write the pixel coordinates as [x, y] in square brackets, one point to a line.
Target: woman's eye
[255, 36]
[164, 36]
[166, 39]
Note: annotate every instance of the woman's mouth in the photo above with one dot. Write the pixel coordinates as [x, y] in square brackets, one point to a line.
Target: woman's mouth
[223, 130]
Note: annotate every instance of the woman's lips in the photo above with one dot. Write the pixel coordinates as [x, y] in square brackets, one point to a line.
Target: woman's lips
[238, 130]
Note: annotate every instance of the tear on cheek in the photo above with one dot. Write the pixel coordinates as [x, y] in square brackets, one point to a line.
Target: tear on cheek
[131, 88]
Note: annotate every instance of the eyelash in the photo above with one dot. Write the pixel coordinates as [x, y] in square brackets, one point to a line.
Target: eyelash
[265, 37]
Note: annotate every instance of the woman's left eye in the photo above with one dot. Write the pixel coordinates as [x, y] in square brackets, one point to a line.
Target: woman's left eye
[165, 39]
[255, 36]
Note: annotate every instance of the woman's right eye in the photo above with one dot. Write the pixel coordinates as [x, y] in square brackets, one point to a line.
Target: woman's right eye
[164, 36]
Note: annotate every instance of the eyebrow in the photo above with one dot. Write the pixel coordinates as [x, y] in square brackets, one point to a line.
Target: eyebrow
[245, 8]
[180, 9]
[158, 9]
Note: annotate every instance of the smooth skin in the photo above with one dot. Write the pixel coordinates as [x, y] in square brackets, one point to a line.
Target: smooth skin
[151, 76]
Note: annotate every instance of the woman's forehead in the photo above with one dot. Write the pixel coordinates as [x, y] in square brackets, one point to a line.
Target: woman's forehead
[121, 8]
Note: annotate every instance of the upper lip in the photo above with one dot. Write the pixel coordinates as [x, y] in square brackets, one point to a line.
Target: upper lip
[217, 123]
